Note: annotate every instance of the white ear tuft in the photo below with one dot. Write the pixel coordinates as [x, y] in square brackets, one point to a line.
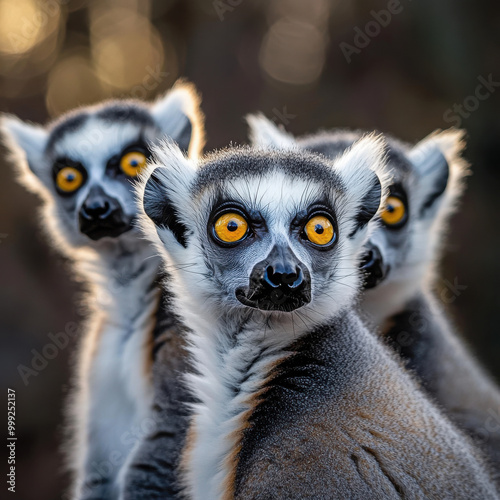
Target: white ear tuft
[23, 138]
[179, 116]
[365, 157]
[363, 169]
[26, 144]
[441, 167]
[163, 188]
[265, 134]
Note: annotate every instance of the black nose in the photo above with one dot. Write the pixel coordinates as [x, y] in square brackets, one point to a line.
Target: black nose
[373, 266]
[101, 215]
[280, 282]
[96, 208]
[283, 276]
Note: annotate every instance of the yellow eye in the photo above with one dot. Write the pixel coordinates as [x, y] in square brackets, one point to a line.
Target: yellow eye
[231, 227]
[394, 211]
[319, 230]
[69, 179]
[132, 163]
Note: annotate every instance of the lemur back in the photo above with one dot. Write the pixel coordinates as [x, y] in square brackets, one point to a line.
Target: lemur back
[84, 166]
[399, 264]
[295, 398]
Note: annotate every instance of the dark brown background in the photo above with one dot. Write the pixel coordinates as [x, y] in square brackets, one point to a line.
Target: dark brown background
[282, 57]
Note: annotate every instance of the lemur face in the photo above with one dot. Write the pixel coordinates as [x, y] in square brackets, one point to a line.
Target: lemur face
[87, 161]
[265, 231]
[390, 245]
[425, 183]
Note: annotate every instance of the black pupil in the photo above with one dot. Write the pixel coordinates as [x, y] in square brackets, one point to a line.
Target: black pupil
[134, 163]
[390, 208]
[232, 225]
[319, 229]
[71, 177]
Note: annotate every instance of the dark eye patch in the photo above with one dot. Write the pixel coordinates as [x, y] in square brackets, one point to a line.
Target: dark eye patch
[113, 164]
[63, 162]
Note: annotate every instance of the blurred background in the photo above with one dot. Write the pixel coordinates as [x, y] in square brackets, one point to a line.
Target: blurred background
[402, 67]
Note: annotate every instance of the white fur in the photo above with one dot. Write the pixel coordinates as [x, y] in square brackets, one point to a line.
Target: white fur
[219, 363]
[114, 389]
[265, 134]
[171, 110]
[419, 270]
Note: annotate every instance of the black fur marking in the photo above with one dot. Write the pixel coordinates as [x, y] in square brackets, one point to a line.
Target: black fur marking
[383, 470]
[165, 319]
[159, 209]
[439, 184]
[65, 126]
[247, 163]
[413, 338]
[184, 137]
[369, 206]
[126, 113]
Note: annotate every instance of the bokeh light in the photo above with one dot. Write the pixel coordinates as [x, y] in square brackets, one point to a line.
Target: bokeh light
[72, 82]
[127, 49]
[293, 50]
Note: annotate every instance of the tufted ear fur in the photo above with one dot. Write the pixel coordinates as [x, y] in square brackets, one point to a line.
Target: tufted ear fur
[178, 115]
[438, 161]
[26, 144]
[163, 188]
[362, 168]
[265, 134]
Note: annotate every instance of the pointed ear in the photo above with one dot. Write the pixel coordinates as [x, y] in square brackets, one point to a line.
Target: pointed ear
[441, 169]
[163, 189]
[179, 116]
[265, 134]
[362, 168]
[26, 143]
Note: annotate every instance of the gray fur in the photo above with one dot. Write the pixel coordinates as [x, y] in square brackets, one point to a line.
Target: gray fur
[404, 305]
[307, 404]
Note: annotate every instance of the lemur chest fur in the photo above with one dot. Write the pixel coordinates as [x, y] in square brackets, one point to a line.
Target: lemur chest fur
[228, 391]
[120, 384]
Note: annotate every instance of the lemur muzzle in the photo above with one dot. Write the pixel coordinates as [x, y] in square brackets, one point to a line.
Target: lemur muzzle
[101, 215]
[373, 267]
[280, 282]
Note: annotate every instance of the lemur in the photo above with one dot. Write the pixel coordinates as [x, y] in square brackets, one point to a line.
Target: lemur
[295, 398]
[84, 165]
[400, 268]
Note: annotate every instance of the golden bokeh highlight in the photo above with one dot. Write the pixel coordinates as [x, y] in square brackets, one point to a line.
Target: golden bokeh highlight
[294, 48]
[72, 82]
[126, 48]
[30, 37]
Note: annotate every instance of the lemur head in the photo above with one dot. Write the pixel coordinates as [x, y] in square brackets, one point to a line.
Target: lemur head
[426, 181]
[262, 230]
[84, 163]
